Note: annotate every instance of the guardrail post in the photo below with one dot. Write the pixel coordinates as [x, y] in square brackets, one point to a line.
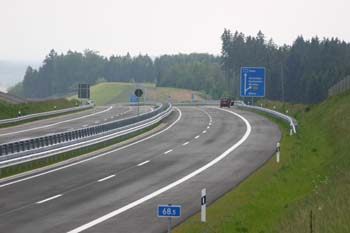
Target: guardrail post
[22, 147]
[5, 148]
[27, 145]
[42, 142]
[50, 140]
[37, 143]
[11, 148]
[46, 139]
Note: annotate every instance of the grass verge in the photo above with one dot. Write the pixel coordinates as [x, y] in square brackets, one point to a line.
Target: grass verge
[11, 110]
[313, 176]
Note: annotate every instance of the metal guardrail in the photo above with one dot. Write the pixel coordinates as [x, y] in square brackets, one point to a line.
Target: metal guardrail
[24, 148]
[198, 103]
[37, 115]
[292, 122]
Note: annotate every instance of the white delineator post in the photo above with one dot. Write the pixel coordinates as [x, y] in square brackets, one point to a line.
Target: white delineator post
[278, 149]
[203, 205]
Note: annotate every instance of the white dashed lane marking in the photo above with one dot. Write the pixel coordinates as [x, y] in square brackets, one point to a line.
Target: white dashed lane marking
[143, 163]
[106, 178]
[168, 151]
[185, 143]
[49, 199]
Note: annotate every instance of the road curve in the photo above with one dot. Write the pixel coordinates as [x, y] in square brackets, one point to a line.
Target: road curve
[68, 122]
[72, 197]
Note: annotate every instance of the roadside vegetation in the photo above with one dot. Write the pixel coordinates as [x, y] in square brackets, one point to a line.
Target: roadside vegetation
[11, 110]
[309, 188]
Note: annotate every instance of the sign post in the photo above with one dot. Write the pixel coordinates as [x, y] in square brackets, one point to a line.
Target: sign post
[169, 211]
[138, 93]
[253, 82]
[203, 205]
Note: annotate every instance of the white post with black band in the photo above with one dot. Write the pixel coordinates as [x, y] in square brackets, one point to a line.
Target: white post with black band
[278, 150]
[203, 205]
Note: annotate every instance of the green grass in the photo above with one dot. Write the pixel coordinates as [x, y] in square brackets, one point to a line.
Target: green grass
[314, 175]
[11, 110]
[118, 92]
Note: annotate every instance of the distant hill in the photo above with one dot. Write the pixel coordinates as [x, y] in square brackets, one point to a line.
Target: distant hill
[118, 92]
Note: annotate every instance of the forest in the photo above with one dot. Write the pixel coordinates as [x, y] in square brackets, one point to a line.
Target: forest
[300, 73]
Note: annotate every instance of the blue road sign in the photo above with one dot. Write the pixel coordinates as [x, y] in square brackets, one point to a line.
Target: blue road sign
[134, 99]
[169, 211]
[252, 82]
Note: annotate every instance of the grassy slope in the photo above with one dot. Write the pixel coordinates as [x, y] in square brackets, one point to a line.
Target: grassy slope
[11, 110]
[313, 175]
[116, 92]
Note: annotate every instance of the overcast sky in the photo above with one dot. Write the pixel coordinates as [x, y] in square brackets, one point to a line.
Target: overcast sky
[30, 28]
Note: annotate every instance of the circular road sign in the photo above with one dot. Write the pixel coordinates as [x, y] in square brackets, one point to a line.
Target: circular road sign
[138, 92]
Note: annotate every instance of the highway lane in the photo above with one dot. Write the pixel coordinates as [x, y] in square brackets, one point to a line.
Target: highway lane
[69, 122]
[68, 198]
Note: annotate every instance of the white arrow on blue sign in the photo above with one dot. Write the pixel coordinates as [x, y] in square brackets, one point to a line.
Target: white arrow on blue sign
[169, 211]
[253, 82]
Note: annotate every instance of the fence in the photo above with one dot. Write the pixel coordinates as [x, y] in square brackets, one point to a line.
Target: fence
[340, 87]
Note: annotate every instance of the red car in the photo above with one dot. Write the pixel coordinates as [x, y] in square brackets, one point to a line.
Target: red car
[225, 102]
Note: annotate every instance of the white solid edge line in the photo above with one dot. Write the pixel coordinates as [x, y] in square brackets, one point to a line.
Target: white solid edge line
[94, 157]
[168, 151]
[185, 143]
[143, 163]
[106, 178]
[48, 199]
[57, 123]
[196, 136]
[170, 186]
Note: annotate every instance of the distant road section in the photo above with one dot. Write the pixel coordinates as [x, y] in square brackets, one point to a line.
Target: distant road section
[11, 98]
[68, 122]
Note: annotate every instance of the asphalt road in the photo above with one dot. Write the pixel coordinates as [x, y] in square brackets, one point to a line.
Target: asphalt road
[202, 148]
[73, 121]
